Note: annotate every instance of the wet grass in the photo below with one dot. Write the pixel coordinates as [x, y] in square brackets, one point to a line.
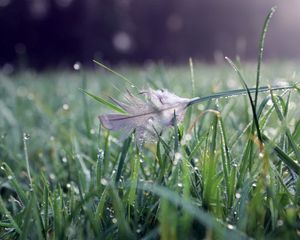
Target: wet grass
[64, 177]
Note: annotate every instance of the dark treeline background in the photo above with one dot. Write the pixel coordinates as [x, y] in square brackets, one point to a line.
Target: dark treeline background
[57, 33]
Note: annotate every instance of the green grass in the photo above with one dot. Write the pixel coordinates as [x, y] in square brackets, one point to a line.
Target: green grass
[68, 178]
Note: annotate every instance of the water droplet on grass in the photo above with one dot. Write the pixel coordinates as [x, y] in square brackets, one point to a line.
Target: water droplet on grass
[66, 107]
[9, 177]
[52, 176]
[92, 131]
[26, 136]
[178, 156]
[238, 195]
[100, 154]
[114, 220]
[231, 227]
[280, 223]
[103, 181]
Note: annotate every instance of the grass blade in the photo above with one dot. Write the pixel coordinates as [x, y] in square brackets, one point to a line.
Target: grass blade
[255, 117]
[261, 50]
[104, 102]
[125, 149]
[283, 156]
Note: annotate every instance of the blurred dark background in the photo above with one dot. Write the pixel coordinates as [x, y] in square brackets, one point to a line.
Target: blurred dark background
[56, 33]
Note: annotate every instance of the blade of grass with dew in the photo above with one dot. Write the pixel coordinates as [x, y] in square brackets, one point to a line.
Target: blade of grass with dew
[124, 151]
[190, 109]
[261, 51]
[15, 184]
[287, 131]
[114, 72]
[168, 220]
[102, 202]
[27, 219]
[104, 102]
[25, 138]
[186, 182]
[283, 156]
[124, 228]
[254, 115]
[238, 92]
[226, 162]
[203, 217]
[6, 213]
[86, 108]
[176, 133]
[134, 177]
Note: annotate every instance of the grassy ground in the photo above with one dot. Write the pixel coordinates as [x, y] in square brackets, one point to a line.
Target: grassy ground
[64, 177]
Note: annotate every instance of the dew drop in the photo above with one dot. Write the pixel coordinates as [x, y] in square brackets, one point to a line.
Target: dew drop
[231, 227]
[279, 223]
[238, 195]
[65, 107]
[52, 176]
[26, 136]
[188, 137]
[9, 177]
[64, 160]
[103, 181]
[100, 154]
[114, 220]
[179, 185]
[178, 156]
[92, 131]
